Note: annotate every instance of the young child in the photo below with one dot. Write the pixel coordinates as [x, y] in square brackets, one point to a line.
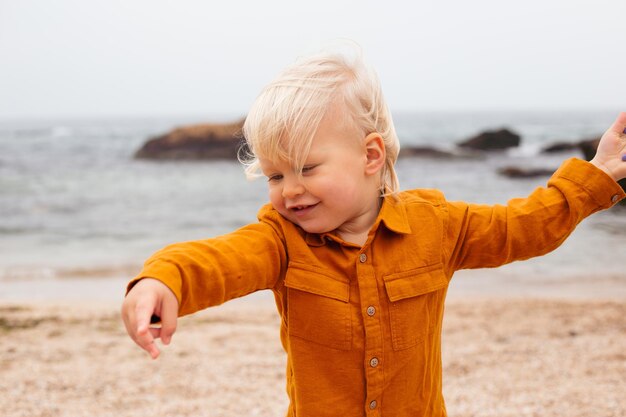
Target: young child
[359, 270]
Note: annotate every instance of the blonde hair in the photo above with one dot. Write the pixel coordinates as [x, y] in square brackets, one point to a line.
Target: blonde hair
[285, 117]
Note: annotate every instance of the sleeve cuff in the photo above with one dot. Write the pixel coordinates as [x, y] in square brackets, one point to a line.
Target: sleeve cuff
[603, 189]
[157, 271]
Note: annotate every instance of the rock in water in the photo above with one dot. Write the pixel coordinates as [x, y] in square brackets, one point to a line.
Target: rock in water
[588, 147]
[424, 151]
[492, 140]
[202, 141]
[517, 172]
[560, 147]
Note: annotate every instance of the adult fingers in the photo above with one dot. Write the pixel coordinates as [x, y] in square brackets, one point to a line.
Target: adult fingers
[619, 126]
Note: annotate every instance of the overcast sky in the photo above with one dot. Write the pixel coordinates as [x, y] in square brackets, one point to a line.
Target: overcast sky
[82, 58]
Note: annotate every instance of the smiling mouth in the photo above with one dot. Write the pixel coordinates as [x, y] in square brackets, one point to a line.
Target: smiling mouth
[302, 208]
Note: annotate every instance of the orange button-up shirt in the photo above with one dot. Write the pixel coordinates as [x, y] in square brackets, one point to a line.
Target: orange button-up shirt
[361, 325]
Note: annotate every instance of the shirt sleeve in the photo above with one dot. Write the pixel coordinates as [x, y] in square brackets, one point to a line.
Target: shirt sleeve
[481, 236]
[209, 272]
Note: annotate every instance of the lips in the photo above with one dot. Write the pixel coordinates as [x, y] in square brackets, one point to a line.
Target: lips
[302, 209]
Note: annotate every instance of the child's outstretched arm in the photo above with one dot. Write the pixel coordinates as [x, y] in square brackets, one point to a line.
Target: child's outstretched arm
[186, 277]
[611, 154]
[488, 236]
[150, 297]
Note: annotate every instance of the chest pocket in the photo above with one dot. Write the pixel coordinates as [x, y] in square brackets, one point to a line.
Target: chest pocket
[318, 306]
[415, 304]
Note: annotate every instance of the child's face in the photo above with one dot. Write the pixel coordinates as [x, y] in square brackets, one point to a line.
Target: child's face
[337, 190]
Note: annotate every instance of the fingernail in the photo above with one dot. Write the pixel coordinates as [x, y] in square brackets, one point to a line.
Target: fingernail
[624, 130]
[624, 157]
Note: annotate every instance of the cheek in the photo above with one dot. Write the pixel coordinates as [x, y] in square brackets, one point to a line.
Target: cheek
[276, 198]
[340, 189]
[277, 201]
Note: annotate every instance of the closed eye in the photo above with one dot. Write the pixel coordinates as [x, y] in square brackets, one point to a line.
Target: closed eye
[274, 178]
[308, 168]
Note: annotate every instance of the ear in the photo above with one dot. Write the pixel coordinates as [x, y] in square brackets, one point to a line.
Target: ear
[375, 153]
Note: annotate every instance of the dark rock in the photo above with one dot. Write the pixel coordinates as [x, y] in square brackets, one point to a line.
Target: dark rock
[424, 151]
[203, 141]
[560, 147]
[492, 140]
[588, 147]
[517, 172]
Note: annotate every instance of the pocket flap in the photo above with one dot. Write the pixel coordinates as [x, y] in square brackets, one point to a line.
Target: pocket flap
[317, 281]
[415, 282]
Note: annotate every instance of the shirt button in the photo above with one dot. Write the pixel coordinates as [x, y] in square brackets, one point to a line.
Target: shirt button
[374, 362]
[371, 310]
[614, 199]
[362, 257]
[373, 405]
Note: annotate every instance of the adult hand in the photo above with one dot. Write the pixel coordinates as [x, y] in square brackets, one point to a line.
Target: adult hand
[150, 297]
[611, 154]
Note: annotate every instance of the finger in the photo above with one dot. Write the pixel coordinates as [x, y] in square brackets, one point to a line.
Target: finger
[145, 340]
[156, 332]
[169, 315]
[128, 319]
[619, 126]
[143, 335]
[143, 313]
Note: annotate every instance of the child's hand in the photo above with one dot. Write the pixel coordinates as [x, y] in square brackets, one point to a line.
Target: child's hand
[611, 154]
[147, 298]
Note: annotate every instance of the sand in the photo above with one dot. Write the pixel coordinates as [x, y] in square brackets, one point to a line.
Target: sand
[502, 357]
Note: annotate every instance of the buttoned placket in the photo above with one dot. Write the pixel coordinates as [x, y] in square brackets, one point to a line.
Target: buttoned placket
[368, 291]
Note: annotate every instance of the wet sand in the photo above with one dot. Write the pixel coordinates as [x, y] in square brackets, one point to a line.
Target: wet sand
[502, 357]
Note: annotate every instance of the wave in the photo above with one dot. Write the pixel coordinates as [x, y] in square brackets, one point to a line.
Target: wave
[16, 230]
[38, 273]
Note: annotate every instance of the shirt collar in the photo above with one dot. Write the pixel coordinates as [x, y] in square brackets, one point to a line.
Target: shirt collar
[393, 215]
[314, 239]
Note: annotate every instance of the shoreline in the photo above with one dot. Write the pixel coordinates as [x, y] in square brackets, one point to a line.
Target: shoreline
[505, 357]
[497, 283]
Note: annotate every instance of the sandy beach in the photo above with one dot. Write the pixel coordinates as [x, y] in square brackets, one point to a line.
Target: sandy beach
[502, 357]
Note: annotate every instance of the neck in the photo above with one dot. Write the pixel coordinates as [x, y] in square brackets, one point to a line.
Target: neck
[358, 230]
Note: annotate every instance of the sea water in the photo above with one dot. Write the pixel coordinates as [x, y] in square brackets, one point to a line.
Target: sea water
[78, 212]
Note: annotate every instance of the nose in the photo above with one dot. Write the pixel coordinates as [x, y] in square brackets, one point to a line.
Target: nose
[292, 187]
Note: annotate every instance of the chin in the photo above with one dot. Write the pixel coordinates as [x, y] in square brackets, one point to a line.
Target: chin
[318, 229]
